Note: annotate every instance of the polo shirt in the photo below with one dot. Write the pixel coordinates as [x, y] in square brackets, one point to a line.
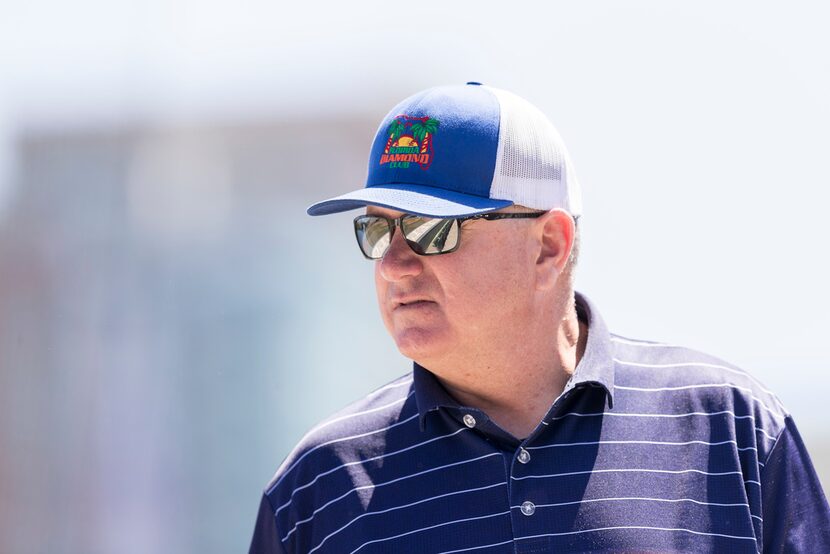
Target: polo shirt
[649, 448]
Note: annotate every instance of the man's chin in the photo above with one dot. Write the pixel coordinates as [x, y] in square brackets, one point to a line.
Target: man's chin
[420, 344]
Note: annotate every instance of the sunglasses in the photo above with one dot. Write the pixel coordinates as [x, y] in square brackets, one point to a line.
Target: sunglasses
[426, 236]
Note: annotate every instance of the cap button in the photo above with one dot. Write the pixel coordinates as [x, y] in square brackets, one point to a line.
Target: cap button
[473, 83]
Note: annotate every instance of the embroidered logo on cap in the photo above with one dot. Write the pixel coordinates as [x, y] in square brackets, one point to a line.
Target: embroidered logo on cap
[410, 141]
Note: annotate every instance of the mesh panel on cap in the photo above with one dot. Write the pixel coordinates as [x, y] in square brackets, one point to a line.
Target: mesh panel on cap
[532, 165]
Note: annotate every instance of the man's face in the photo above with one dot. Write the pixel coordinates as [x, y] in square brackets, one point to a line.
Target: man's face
[449, 307]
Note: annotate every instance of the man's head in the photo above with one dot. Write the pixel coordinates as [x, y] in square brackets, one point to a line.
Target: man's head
[474, 153]
[504, 275]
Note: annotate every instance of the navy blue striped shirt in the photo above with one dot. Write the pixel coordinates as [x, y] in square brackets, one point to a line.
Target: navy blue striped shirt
[650, 448]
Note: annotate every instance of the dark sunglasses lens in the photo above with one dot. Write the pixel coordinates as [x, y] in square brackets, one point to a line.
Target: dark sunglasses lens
[373, 235]
[430, 235]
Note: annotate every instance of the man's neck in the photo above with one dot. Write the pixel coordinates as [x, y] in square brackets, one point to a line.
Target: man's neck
[516, 389]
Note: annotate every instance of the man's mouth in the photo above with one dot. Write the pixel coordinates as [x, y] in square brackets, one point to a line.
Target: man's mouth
[410, 303]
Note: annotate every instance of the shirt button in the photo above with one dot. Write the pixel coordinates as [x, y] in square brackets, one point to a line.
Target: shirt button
[524, 456]
[469, 421]
[528, 508]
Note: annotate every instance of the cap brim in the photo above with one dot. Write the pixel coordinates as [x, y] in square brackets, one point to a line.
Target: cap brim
[413, 199]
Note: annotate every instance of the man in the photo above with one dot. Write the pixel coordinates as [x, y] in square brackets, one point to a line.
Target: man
[525, 426]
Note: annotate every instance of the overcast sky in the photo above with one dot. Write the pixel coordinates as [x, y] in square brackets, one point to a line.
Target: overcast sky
[96, 58]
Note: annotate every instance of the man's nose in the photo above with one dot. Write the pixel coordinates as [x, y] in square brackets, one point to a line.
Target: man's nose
[400, 261]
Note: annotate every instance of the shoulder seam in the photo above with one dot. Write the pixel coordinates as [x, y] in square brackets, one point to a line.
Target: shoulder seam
[775, 444]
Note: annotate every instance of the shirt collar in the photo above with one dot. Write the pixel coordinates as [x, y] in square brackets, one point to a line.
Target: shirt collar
[597, 363]
[595, 367]
[429, 393]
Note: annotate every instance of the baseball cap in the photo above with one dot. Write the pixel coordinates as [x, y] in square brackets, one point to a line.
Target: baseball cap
[459, 150]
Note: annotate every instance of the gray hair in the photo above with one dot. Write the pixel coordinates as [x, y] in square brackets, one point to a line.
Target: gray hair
[570, 267]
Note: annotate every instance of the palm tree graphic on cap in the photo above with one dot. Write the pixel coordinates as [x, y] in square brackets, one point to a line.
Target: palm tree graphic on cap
[422, 130]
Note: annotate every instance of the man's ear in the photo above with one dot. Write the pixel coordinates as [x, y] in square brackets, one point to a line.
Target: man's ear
[556, 231]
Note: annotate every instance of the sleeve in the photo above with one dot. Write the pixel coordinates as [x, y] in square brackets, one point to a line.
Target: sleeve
[795, 510]
[265, 539]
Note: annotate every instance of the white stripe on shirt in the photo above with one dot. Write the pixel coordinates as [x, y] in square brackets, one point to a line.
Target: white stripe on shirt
[477, 548]
[629, 470]
[638, 527]
[334, 441]
[383, 484]
[401, 507]
[660, 443]
[428, 528]
[699, 502]
[704, 364]
[703, 386]
[623, 414]
[361, 462]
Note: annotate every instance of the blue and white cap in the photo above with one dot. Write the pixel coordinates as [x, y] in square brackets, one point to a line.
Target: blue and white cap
[460, 150]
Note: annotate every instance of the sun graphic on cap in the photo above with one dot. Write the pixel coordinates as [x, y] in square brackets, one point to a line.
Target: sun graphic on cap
[406, 141]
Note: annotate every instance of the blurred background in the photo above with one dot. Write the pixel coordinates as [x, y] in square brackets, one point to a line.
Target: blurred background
[171, 321]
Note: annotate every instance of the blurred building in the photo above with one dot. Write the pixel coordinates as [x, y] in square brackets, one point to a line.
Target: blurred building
[156, 287]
